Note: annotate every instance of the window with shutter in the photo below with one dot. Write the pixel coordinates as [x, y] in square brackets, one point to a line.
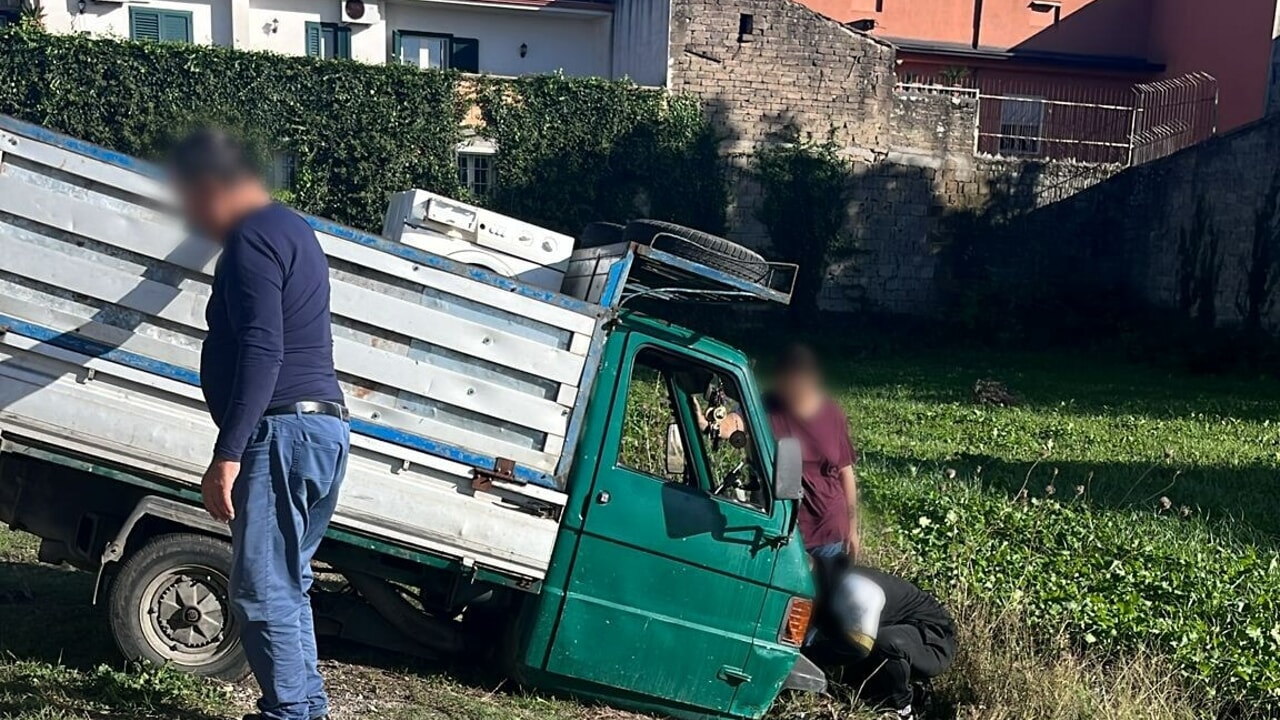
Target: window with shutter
[436, 50]
[144, 24]
[328, 40]
[160, 25]
[314, 44]
[175, 27]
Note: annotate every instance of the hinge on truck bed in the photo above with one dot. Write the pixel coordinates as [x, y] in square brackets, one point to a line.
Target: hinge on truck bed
[504, 469]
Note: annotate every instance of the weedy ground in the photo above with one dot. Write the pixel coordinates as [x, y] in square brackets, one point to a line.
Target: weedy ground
[1108, 545]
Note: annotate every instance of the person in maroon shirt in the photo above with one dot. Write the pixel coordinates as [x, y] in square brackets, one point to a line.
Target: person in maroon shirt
[800, 408]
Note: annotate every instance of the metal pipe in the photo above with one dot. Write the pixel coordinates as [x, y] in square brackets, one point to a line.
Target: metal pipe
[977, 22]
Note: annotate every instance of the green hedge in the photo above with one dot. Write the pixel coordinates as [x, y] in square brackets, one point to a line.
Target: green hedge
[579, 150]
[570, 151]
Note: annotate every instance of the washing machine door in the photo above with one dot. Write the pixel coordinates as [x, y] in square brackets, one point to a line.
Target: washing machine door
[489, 261]
[508, 266]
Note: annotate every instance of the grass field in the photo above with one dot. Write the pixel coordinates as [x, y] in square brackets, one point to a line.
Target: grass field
[1109, 545]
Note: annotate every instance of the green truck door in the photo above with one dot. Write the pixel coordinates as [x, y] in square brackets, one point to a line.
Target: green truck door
[666, 590]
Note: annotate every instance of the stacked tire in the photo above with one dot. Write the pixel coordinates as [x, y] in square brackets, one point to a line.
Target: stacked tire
[703, 248]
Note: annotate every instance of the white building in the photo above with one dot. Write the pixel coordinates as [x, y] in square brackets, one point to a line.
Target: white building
[603, 38]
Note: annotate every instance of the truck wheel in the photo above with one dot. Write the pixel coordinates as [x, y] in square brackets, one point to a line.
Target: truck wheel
[704, 248]
[169, 604]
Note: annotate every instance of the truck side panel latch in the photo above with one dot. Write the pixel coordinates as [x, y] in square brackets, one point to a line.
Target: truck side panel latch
[504, 469]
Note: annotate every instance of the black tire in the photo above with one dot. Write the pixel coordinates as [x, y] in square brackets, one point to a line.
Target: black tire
[598, 234]
[703, 248]
[152, 616]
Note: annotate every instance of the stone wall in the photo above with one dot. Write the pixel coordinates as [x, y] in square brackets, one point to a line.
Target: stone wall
[792, 72]
[789, 69]
[1134, 235]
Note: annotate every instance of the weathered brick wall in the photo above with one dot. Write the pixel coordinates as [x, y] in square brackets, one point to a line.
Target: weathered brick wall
[794, 70]
[913, 153]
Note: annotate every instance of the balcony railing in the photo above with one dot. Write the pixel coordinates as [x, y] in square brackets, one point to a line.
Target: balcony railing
[1102, 124]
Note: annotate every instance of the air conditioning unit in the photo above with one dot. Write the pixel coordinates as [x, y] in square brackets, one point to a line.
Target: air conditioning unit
[360, 12]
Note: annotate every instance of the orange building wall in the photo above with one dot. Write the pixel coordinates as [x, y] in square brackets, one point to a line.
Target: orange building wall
[1233, 45]
[1229, 39]
[1088, 27]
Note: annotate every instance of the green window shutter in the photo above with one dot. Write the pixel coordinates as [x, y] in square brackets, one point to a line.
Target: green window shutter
[175, 27]
[342, 43]
[144, 24]
[464, 54]
[313, 39]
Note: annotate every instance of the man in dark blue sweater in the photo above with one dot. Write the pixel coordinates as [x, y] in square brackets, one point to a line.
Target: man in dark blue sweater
[266, 369]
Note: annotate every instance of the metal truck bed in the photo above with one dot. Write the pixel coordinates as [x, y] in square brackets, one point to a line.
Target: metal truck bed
[446, 369]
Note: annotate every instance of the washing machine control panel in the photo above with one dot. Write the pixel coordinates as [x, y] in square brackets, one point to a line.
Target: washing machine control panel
[422, 214]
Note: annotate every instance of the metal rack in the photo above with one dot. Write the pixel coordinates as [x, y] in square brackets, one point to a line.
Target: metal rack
[614, 275]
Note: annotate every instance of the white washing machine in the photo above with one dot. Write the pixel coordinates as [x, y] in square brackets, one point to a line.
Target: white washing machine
[474, 236]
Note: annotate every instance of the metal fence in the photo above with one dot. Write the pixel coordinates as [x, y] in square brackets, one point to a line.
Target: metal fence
[1104, 123]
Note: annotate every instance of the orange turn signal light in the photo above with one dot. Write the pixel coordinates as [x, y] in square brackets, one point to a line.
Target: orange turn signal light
[795, 624]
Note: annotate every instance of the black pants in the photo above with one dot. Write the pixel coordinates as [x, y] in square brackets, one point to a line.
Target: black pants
[902, 655]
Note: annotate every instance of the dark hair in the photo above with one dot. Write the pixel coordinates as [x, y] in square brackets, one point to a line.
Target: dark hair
[798, 360]
[210, 154]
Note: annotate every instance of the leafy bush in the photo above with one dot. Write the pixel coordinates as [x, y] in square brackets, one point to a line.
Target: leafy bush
[570, 150]
[807, 189]
[574, 151]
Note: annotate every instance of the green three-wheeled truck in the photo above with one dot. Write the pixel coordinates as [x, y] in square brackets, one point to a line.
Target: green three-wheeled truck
[537, 475]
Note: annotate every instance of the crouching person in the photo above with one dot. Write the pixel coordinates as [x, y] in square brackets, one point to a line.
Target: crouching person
[889, 635]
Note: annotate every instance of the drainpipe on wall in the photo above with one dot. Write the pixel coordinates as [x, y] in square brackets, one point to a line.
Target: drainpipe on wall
[977, 22]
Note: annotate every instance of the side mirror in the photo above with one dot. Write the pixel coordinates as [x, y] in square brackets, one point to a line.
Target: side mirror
[787, 470]
[674, 451]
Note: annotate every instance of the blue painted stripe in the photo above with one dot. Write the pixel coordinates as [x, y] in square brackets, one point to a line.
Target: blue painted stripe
[40, 134]
[97, 152]
[611, 297]
[94, 348]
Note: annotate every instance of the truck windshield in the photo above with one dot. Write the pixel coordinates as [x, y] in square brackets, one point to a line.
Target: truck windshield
[685, 422]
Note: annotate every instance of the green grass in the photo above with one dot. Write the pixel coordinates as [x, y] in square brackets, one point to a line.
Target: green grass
[1118, 508]
[1098, 603]
[1128, 434]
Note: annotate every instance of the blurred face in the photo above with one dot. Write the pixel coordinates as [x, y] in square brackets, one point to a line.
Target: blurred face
[213, 207]
[798, 387]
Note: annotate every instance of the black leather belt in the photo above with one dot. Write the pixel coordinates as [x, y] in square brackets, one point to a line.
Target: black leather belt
[312, 407]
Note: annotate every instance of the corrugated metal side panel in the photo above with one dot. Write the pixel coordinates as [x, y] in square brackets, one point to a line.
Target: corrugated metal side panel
[432, 354]
[102, 314]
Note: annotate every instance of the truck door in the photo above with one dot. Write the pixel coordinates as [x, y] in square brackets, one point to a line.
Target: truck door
[676, 549]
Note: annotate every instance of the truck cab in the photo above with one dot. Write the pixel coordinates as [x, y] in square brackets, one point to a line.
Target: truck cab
[675, 537]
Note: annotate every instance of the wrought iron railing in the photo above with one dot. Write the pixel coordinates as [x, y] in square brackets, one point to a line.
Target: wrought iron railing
[1106, 123]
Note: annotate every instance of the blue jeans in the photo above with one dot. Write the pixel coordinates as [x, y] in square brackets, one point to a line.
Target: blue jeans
[283, 498]
[829, 551]
[824, 557]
